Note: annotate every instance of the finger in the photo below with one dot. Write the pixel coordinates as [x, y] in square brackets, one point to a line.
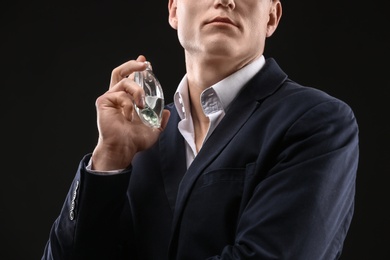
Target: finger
[124, 70]
[118, 100]
[127, 105]
[141, 58]
[136, 93]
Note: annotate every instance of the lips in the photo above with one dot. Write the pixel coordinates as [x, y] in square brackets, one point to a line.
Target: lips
[222, 19]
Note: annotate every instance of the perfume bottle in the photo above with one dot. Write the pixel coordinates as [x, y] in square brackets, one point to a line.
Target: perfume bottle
[154, 97]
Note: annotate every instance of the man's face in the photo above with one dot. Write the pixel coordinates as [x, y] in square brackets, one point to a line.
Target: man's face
[224, 28]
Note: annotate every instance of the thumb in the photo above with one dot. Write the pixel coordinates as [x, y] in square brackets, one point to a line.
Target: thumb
[165, 117]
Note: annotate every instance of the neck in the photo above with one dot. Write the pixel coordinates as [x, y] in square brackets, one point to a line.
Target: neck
[203, 72]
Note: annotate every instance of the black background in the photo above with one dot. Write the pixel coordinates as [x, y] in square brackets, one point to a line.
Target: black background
[57, 59]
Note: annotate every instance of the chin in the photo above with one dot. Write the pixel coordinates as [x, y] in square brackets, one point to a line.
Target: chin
[222, 48]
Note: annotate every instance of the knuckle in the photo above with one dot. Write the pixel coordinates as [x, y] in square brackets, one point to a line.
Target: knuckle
[99, 101]
[115, 71]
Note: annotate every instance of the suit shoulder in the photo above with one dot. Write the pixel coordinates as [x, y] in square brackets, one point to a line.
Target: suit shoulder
[300, 94]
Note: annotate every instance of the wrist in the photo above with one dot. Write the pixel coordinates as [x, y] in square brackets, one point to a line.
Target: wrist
[104, 159]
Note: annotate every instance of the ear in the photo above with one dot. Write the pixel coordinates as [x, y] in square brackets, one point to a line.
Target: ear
[172, 7]
[274, 17]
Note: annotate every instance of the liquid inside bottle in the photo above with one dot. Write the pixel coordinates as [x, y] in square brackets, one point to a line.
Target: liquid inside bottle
[154, 97]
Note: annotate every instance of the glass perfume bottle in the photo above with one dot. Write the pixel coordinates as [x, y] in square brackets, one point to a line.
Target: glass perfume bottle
[154, 97]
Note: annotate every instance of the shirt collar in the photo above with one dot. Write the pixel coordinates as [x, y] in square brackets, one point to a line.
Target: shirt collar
[220, 95]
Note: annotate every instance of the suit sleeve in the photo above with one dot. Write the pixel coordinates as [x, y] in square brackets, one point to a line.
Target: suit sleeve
[304, 206]
[89, 225]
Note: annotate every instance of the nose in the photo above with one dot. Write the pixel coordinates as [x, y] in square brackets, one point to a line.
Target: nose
[226, 3]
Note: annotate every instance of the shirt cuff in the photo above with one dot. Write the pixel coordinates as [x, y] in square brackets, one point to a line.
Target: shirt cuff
[112, 172]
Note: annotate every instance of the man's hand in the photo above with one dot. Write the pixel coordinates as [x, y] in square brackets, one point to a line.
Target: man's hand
[121, 132]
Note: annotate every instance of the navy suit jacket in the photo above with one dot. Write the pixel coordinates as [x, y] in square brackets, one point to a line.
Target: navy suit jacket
[275, 180]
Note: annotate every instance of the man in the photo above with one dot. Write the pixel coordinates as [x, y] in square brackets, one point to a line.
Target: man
[247, 163]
